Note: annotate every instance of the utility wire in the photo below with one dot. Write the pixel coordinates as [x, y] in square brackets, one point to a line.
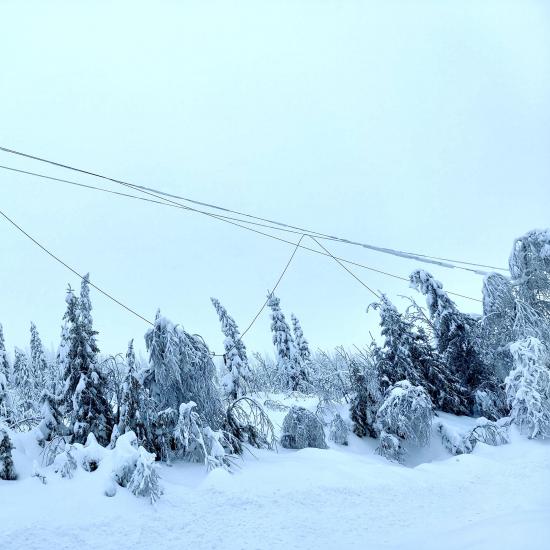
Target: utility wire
[443, 262]
[173, 204]
[265, 303]
[348, 270]
[59, 260]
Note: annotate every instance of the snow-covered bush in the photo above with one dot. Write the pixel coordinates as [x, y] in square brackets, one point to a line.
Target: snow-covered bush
[92, 454]
[528, 387]
[365, 377]
[405, 413]
[145, 480]
[338, 430]
[248, 423]
[197, 442]
[7, 469]
[485, 431]
[65, 463]
[301, 429]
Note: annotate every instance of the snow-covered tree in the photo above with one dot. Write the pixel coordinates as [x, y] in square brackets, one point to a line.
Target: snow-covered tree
[4, 364]
[7, 469]
[367, 393]
[497, 324]
[404, 416]
[24, 383]
[528, 387]
[302, 345]
[301, 429]
[338, 430]
[237, 380]
[136, 411]
[38, 364]
[289, 365]
[407, 354]
[530, 270]
[457, 340]
[5, 402]
[145, 479]
[85, 385]
[181, 370]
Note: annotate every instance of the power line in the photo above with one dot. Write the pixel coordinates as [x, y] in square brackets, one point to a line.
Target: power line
[59, 260]
[348, 270]
[173, 204]
[442, 262]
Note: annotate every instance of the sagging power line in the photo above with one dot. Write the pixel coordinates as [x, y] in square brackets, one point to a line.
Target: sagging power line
[164, 202]
[442, 262]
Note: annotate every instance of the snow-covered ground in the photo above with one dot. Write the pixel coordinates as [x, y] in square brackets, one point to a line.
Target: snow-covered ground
[343, 497]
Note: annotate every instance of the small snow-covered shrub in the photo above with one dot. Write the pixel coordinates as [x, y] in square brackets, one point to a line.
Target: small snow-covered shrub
[454, 442]
[65, 463]
[390, 447]
[7, 469]
[124, 458]
[301, 429]
[338, 430]
[145, 480]
[490, 433]
[406, 413]
[199, 443]
[528, 387]
[248, 423]
[486, 431]
[92, 454]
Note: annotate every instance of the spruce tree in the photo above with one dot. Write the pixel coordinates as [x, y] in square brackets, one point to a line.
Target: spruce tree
[302, 344]
[4, 364]
[289, 365]
[497, 324]
[7, 470]
[39, 366]
[85, 385]
[24, 383]
[408, 355]
[181, 370]
[135, 409]
[457, 340]
[235, 358]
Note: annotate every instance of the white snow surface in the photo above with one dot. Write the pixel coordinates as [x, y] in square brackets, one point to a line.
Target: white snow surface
[340, 498]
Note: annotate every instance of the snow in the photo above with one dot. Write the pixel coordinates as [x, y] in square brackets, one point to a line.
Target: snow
[342, 497]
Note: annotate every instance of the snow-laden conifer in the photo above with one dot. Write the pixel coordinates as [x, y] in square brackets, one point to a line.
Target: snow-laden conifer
[38, 364]
[289, 365]
[24, 383]
[237, 380]
[367, 392]
[135, 408]
[497, 324]
[457, 340]
[302, 345]
[530, 270]
[7, 469]
[338, 430]
[145, 479]
[85, 386]
[181, 370]
[4, 363]
[528, 388]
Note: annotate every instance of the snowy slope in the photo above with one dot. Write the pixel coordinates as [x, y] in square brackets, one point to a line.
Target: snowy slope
[343, 497]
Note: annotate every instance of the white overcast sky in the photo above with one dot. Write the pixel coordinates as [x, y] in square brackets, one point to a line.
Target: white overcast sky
[423, 126]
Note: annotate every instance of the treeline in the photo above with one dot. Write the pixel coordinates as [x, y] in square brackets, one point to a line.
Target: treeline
[178, 405]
